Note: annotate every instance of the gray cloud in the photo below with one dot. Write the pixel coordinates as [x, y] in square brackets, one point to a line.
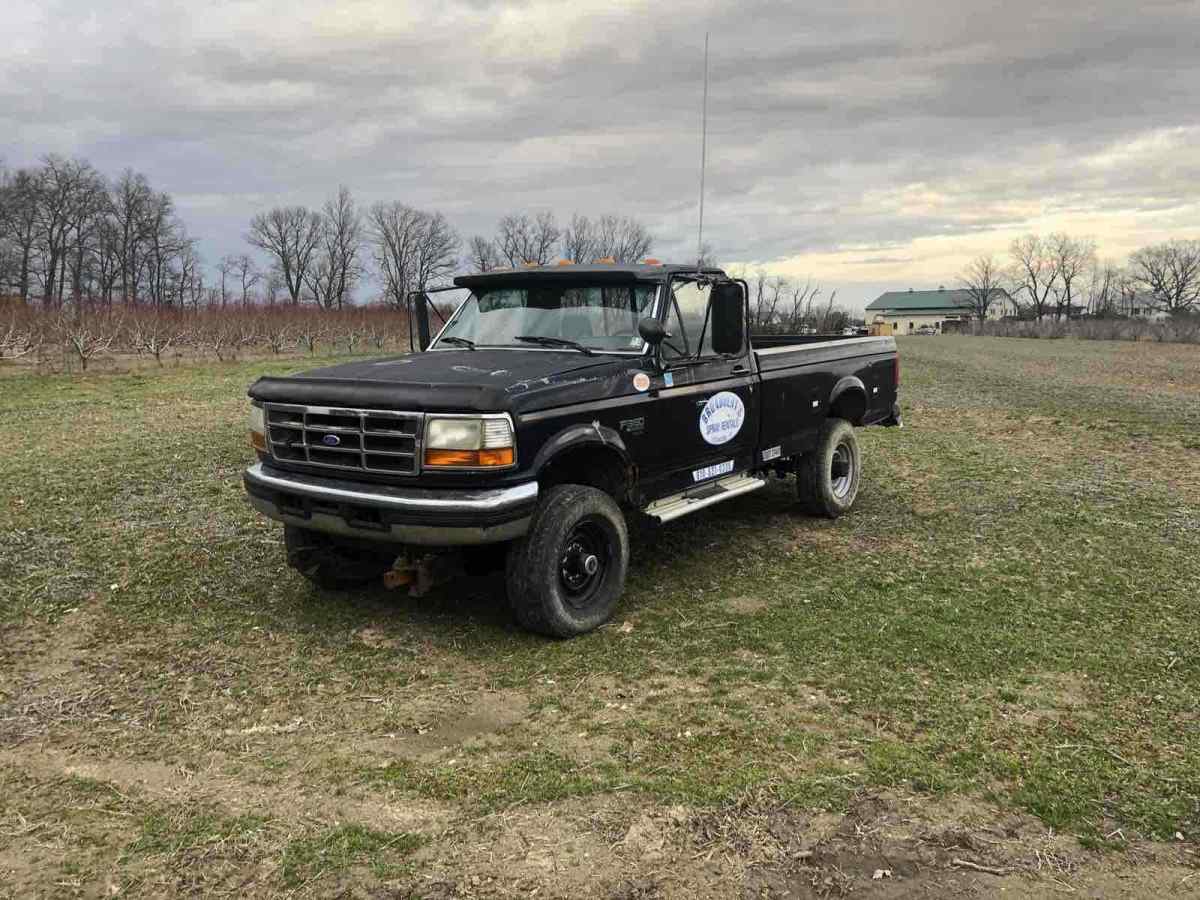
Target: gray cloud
[845, 126]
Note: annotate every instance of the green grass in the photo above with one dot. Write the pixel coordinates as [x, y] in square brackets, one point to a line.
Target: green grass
[1010, 615]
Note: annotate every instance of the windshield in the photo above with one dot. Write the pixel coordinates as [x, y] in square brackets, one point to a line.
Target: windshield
[600, 317]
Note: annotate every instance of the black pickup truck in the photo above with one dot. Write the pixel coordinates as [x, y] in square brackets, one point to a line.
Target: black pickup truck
[554, 402]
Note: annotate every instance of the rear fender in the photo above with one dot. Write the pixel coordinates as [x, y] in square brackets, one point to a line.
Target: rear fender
[852, 394]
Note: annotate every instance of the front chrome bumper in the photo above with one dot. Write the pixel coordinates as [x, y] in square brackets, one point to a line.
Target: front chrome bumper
[403, 515]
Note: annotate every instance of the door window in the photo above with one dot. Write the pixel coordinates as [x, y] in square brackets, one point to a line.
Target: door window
[688, 321]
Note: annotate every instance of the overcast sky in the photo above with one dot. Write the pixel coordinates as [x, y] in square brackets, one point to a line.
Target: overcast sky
[869, 145]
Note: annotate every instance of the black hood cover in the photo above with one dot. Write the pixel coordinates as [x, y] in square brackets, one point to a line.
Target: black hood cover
[457, 380]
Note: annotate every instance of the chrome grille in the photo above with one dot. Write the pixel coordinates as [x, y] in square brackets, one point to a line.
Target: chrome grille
[356, 440]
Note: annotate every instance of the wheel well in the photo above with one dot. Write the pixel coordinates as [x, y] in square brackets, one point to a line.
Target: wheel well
[850, 405]
[595, 466]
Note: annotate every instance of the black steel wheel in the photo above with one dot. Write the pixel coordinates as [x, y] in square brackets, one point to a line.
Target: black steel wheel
[587, 553]
[567, 574]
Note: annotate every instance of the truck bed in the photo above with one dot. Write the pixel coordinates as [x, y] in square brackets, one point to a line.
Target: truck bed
[784, 351]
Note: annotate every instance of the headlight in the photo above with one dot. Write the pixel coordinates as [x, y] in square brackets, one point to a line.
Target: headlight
[471, 442]
[258, 428]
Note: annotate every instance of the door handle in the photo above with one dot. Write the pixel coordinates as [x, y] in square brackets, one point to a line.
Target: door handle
[740, 369]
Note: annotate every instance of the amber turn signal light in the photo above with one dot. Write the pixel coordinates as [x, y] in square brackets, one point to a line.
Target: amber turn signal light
[502, 456]
[258, 441]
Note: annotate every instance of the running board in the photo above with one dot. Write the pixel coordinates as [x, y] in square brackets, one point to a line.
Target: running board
[677, 505]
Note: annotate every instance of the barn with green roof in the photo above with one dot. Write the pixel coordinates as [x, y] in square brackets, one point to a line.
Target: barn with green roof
[908, 311]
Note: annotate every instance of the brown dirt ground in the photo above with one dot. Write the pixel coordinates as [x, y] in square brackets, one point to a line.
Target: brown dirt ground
[617, 845]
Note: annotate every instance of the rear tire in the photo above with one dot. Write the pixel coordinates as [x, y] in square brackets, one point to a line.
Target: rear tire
[333, 564]
[566, 575]
[827, 479]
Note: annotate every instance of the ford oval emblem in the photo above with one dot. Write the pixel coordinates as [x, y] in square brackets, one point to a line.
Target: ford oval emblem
[331, 440]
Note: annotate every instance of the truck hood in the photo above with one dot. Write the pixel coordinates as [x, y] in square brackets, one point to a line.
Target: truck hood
[457, 380]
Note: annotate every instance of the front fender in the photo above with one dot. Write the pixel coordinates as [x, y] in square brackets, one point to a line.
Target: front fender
[591, 434]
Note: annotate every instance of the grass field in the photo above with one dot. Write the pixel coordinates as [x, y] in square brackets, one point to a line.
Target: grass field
[985, 680]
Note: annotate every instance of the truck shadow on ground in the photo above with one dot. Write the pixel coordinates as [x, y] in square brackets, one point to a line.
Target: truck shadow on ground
[475, 608]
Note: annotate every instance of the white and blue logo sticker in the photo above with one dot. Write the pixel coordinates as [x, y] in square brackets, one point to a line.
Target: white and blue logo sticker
[722, 417]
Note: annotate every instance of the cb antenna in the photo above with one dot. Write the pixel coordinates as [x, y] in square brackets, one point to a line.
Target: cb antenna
[703, 159]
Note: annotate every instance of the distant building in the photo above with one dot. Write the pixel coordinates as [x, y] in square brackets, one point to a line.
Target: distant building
[906, 311]
[1142, 305]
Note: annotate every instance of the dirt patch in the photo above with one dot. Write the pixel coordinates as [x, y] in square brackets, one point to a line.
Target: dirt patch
[211, 785]
[1055, 696]
[44, 679]
[484, 716]
[884, 846]
[746, 606]
[889, 847]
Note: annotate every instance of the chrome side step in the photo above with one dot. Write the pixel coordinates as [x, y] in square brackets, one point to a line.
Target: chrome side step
[677, 505]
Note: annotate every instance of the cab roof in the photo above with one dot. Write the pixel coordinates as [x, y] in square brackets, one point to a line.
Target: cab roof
[593, 272]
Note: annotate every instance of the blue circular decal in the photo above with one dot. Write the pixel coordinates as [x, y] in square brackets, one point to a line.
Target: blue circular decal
[722, 417]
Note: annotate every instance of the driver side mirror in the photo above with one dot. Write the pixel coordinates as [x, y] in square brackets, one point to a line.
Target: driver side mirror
[652, 331]
[728, 319]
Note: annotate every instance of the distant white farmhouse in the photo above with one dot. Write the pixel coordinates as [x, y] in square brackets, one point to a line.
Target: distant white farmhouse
[1141, 306]
[906, 311]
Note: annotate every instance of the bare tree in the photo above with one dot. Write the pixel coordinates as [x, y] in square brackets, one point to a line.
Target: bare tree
[19, 225]
[272, 287]
[983, 283]
[132, 201]
[766, 293]
[437, 252]
[579, 243]
[156, 332]
[86, 336]
[226, 269]
[189, 279]
[482, 255]
[248, 276]
[1034, 272]
[290, 235]
[1072, 258]
[164, 245]
[521, 239]
[1103, 289]
[337, 268]
[413, 250]
[395, 232]
[622, 239]
[1170, 272]
[63, 185]
[88, 212]
[619, 238]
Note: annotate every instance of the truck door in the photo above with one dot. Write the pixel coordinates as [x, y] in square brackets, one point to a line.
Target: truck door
[707, 409]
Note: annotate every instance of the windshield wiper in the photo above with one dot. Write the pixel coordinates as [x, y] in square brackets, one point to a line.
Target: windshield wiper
[555, 342]
[465, 342]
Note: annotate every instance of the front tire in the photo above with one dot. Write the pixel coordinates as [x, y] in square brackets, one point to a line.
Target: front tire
[827, 479]
[332, 564]
[566, 575]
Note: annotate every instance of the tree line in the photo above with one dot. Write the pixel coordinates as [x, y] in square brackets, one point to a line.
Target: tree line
[68, 234]
[1063, 277]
